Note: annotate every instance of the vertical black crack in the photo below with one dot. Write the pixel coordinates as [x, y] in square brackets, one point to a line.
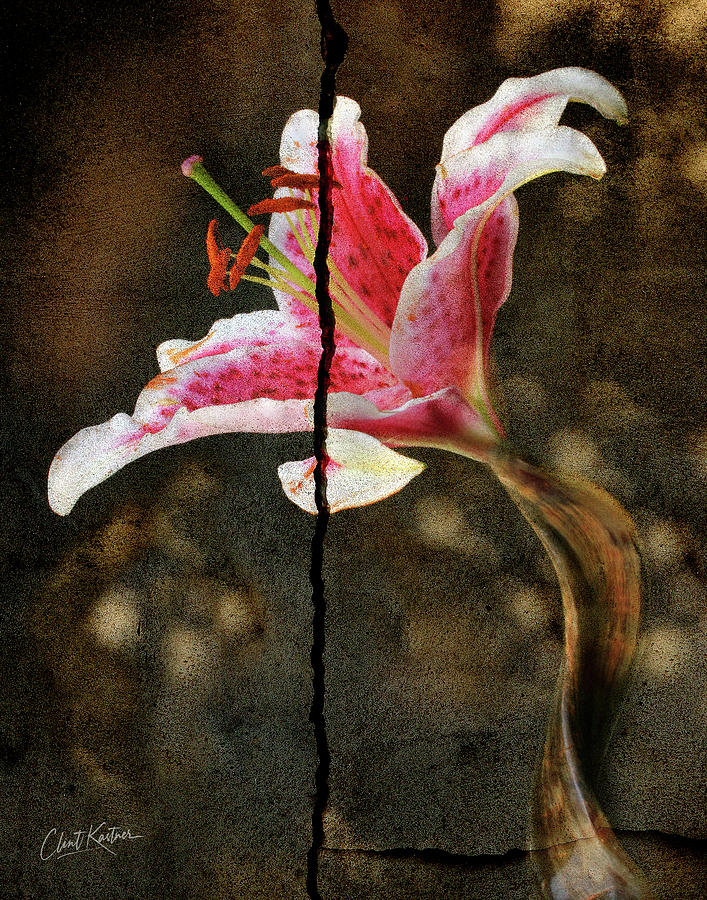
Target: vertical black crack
[333, 46]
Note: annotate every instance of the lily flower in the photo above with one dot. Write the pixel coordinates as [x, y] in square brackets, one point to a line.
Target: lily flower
[411, 366]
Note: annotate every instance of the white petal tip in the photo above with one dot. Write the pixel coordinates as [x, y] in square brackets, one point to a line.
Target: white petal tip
[362, 471]
[59, 502]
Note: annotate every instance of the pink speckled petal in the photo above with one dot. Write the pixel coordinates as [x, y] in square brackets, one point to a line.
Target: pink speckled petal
[448, 304]
[98, 452]
[478, 148]
[360, 471]
[374, 243]
[444, 420]
[531, 103]
[258, 387]
[255, 329]
[452, 298]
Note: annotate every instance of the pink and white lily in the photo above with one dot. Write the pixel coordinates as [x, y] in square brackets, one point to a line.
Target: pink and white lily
[413, 331]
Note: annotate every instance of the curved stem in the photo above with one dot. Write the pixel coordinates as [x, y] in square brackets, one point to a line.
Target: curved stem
[590, 540]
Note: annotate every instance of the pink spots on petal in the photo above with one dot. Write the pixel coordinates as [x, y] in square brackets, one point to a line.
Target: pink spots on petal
[355, 371]
[283, 369]
[440, 331]
[457, 194]
[505, 119]
[494, 261]
[373, 243]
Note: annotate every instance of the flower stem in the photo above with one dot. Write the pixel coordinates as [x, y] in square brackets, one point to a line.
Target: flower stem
[590, 540]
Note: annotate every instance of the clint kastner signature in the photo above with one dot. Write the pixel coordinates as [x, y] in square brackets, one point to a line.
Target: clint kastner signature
[83, 840]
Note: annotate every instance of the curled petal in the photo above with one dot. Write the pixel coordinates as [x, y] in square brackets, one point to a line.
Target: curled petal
[298, 145]
[471, 177]
[97, 452]
[448, 305]
[478, 148]
[532, 103]
[254, 329]
[360, 471]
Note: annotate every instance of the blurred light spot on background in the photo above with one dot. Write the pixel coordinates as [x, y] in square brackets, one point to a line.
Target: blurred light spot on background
[115, 618]
[192, 484]
[665, 652]
[233, 615]
[338, 832]
[168, 536]
[693, 164]
[441, 524]
[529, 609]
[188, 656]
[611, 406]
[683, 24]
[439, 521]
[662, 541]
[572, 450]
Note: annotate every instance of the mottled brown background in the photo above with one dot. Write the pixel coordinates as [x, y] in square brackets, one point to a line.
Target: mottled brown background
[156, 642]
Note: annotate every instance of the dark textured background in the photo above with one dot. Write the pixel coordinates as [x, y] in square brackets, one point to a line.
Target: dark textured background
[156, 642]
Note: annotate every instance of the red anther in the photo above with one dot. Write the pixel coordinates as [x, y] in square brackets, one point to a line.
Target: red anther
[281, 204]
[245, 255]
[275, 171]
[219, 257]
[293, 180]
[303, 182]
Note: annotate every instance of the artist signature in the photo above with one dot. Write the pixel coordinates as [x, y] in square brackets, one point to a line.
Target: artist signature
[92, 837]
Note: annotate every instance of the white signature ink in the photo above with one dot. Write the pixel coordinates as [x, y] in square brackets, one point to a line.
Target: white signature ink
[84, 840]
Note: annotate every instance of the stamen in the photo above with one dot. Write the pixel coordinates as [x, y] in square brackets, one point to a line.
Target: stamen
[376, 344]
[344, 293]
[219, 257]
[194, 169]
[293, 180]
[277, 205]
[276, 171]
[339, 289]
[245, 256]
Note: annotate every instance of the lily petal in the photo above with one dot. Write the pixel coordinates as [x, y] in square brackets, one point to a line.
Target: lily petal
[468, 173]
[374, 243]
[443, 420]
[448, 305]
[99, 451]
[257, 386]
[360, 471]
[255, 329]
[532, 103]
